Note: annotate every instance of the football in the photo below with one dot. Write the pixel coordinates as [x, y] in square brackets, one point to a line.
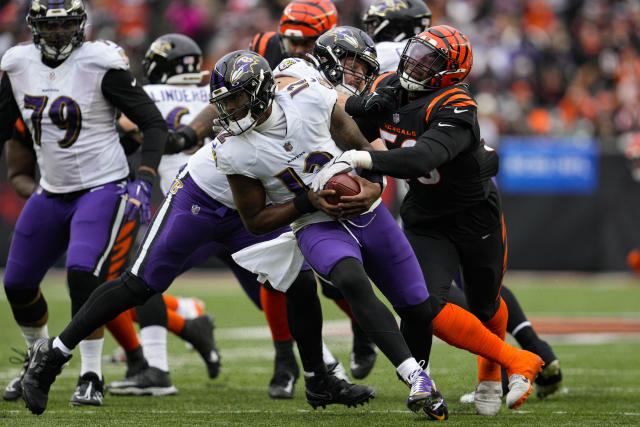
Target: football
[343, 185]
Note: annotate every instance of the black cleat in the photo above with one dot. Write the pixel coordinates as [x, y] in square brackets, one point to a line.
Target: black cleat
[136, 362]
[549, 380]
[89, 391]
[150, 382]
[281, 385]
[363, 354]
[199, 332]
[327, 390]
[45, 363]
[13, 391]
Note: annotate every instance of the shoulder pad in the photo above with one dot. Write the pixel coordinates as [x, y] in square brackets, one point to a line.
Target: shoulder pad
[260, 41]
[294, 67]
[455, 102]
[103, 54]
[14, 58]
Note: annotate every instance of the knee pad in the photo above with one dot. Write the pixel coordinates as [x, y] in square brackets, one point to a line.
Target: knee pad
[28, 306]
[81, 284]
[331, 291]
[139, 289]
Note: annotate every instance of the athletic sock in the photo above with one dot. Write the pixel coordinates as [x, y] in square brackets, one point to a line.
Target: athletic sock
[462, 329]
[327, 356]
[32, 334]
[123, 331]
[175, 322]
[274, 306]
[57, 343]
[406, 368]
[487, 369]
[91, 356]
[154, 346]
[171, 302]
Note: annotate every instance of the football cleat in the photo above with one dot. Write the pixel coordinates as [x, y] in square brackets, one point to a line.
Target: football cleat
[13, 391]
[45, 363]
[199, 332]
[363, 354]
[425, 396]
[521, 376]
[549, 381]
[337, 368]
[467, 398]
[488, 397]
[281, 385]
[149, 382]
[136, 362]
[329, 389]
[89, 391]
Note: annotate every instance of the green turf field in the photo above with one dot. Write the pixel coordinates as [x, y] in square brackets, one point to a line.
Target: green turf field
[602, 377]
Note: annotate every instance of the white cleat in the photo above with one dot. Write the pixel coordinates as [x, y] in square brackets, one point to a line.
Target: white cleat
[519, 389]
[488, 397]
[467, 398]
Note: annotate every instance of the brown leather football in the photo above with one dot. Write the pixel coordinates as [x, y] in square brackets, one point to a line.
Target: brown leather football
[343, 185]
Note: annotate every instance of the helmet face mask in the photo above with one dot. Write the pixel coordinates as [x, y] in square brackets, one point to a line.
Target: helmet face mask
[436, 58]
[57, 29]
[242, 90]
[347, 57]
[173, 59]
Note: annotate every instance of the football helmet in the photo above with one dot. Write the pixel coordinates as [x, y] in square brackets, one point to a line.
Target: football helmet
[303, 21]
[57, 26]
[173, 59]
[242, 89]
[396, 20]
[439, 57]
[347, 58]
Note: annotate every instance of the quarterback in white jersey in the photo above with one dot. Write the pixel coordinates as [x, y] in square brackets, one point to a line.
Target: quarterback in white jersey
[67, 92]
[276, 141]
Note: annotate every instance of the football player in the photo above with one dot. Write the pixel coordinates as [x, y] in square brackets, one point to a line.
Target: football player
[67, 91]
[391, 24]
[452, 214]
[198, 209]
[271, 151]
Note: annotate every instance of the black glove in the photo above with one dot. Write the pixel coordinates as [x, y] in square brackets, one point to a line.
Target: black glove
[382, 98]
[180, 140]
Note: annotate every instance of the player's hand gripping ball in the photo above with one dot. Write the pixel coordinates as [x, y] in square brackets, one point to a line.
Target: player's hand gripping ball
[343, 185]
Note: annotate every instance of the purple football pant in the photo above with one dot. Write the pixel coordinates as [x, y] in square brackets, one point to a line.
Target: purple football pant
[381, 247]
[86, 227]
[187, 220]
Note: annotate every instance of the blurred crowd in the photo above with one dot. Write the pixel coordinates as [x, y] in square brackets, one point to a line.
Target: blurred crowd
[541, 67]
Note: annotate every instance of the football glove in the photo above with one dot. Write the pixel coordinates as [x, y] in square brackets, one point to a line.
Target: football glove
[345, 162]
[138, 201]
[382, 98]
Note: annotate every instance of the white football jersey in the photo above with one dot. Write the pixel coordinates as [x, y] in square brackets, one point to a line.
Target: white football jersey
[389, 54]
[202, 168]
[284, 165]
[70, 120]
[178, 104]
[296, 67]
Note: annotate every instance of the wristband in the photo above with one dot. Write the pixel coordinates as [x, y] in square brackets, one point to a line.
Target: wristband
[303, 204]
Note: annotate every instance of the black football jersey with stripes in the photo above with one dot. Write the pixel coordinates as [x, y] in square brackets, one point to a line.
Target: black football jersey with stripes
[269, 46]
[460, 183]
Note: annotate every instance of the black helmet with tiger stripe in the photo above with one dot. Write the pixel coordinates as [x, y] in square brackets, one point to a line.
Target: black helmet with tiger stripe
[439, 57]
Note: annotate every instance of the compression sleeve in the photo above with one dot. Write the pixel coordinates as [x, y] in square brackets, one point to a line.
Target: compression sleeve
[121, 89]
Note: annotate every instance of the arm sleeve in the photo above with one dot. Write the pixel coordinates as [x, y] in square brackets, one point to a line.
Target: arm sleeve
[436, 146]
[368, 128]
[8, 110]
[120, 88]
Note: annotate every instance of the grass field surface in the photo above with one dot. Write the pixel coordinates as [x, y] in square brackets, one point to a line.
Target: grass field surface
[602, 371]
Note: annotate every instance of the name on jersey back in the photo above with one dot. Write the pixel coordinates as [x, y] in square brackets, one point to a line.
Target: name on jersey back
[180, 95]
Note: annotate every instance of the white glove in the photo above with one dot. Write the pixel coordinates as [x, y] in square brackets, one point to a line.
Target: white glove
[345, 162]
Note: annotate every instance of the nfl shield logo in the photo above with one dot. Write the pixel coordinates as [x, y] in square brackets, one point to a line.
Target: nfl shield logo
[195, 209]
[287, 146]
[52, 76]
[396, 118]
